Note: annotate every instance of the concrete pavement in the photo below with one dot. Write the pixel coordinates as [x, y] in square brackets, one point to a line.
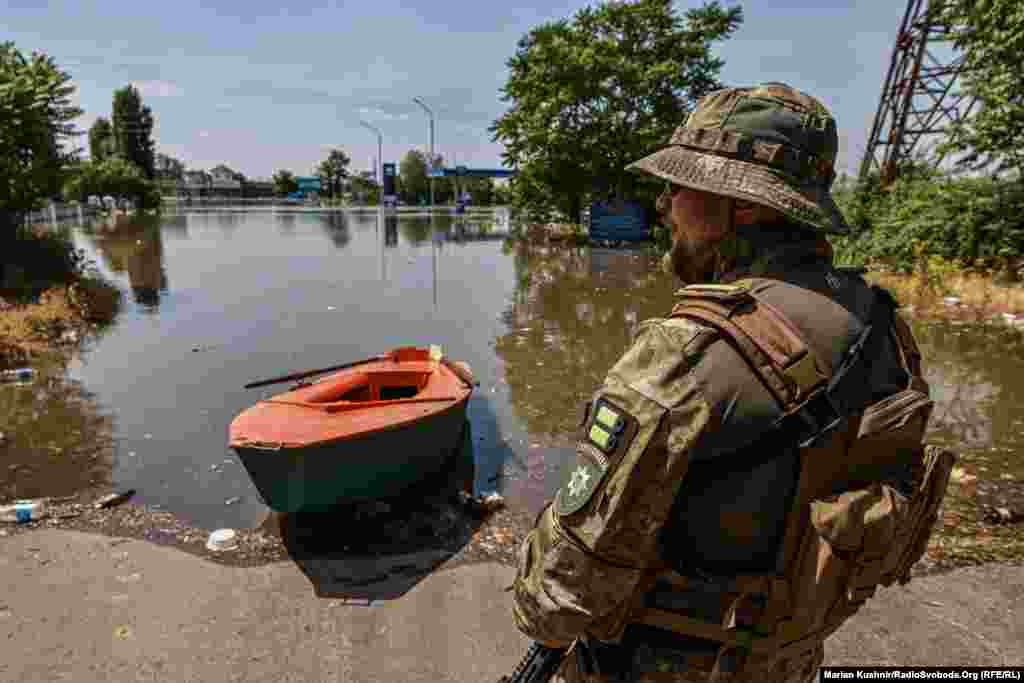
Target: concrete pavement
[83, 607]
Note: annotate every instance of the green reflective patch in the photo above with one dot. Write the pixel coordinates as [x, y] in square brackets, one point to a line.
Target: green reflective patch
[608, 418]
[600, 437]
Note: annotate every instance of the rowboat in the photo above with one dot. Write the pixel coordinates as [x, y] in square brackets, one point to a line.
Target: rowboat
[367, 432]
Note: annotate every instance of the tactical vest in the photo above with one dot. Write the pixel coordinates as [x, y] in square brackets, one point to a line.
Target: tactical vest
[837, 545]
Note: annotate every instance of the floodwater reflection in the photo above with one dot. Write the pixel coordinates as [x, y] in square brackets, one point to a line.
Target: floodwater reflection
[57, 439]
[244, 295]
[135, 248]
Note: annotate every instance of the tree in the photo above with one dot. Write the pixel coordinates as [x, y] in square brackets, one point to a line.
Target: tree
[481, 190]
[133, 129]
[169, 168]
[991, 35]
[36, 117]
[366, 188]
[413, 172]
[333, 171]
[284, 182]
[101, 140]
[592, 94]
[114, 177]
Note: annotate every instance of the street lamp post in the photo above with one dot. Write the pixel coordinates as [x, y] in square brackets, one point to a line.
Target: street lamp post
[430, 164]
[379, 171]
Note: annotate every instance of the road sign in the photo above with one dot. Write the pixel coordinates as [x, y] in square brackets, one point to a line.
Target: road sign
[389, 179]
[308, 183]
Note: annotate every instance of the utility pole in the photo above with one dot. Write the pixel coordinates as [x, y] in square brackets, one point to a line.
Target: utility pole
[915, 71]
[379, 171]
[430, 163]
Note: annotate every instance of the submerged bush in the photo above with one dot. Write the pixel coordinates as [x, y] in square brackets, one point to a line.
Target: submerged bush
[974, 223]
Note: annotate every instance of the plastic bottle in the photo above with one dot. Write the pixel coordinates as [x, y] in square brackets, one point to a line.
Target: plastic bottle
[23, 511]
[18, 374]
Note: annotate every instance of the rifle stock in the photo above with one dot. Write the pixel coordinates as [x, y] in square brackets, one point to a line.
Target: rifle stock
[538, 665]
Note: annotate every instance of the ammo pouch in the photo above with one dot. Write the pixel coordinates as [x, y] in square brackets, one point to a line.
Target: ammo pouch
[867, 497]
[861, 539]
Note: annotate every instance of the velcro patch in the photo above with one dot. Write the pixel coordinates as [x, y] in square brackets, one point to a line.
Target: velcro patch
[607, 425]
[580, 480]
[606, 434]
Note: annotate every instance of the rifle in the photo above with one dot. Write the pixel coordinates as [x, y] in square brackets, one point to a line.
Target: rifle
[538, 665]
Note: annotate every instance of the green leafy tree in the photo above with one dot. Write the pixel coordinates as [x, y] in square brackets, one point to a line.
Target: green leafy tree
[590, 95]
[101, 140]
[113, 177]
[413, 174]
[133, 129]
[333, 171]
[366, 188]
[991, 35]
[36, 126]
[284, 182]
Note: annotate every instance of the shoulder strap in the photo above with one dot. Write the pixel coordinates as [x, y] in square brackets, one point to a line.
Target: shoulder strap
[812, 402]
[766, 339]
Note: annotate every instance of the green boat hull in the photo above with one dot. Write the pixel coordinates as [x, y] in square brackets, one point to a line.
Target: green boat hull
[377, 466]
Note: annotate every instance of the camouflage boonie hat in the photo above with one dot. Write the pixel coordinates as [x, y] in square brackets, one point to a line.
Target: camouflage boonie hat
[770, 144]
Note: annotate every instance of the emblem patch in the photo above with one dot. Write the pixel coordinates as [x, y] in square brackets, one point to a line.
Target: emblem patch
[580, 480]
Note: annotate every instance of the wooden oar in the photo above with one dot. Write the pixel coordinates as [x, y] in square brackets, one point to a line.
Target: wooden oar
[310, 373]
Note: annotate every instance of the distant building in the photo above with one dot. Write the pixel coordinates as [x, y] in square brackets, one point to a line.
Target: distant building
[258, 188]
[197, 183]
[225, 182]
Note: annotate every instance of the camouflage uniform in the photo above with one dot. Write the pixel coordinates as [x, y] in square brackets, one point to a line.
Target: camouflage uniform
[681, 500]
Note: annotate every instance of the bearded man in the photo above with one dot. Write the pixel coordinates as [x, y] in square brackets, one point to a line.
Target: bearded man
[753, 466]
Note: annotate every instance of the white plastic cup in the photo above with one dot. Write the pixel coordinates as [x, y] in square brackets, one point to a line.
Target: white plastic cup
[222, 539]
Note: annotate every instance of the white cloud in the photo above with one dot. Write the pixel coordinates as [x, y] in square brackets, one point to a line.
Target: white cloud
[158, 89]
[373, 113]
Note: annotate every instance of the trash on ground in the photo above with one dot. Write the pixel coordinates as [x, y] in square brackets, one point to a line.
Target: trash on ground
[222, 539]
[215, 468]
[17, 374]
[232, 501]
[482, 505]
[122, 632]
[1002, 515]
[23, 511]
[113, 499]
[951, 301]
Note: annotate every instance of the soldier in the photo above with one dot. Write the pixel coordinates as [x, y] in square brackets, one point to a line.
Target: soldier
[753, 466]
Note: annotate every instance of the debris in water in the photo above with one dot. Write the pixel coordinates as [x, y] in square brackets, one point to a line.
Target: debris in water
[18, 374]
[1002, 515]
[114, 499]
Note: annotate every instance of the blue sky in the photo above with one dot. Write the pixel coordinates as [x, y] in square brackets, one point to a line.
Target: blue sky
[260, 86]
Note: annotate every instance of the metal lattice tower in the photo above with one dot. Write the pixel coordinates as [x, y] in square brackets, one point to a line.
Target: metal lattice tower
[918, 96]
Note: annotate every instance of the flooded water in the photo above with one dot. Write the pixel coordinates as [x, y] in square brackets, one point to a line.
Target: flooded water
[216, 299]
